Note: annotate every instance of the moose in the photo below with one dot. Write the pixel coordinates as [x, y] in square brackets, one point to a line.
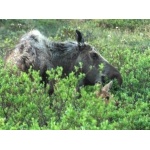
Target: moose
[36, 51]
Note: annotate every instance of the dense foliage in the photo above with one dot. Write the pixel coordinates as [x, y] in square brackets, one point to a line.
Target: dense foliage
[25, 103]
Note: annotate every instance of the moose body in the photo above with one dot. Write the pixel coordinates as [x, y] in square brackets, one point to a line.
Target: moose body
[42, 54]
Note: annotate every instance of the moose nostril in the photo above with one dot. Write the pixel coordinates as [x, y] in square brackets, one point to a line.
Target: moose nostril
[107, 97]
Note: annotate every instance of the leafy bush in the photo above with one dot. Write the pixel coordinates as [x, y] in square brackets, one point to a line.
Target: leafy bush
[25, 104]
[19, 100]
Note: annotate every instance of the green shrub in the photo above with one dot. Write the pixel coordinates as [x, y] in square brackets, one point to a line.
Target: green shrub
[25, 104]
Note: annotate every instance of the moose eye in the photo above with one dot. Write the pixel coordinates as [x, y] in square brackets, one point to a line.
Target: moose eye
[94, 55]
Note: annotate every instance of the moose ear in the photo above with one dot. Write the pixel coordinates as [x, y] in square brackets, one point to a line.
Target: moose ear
[107, 86]
[79, 38]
